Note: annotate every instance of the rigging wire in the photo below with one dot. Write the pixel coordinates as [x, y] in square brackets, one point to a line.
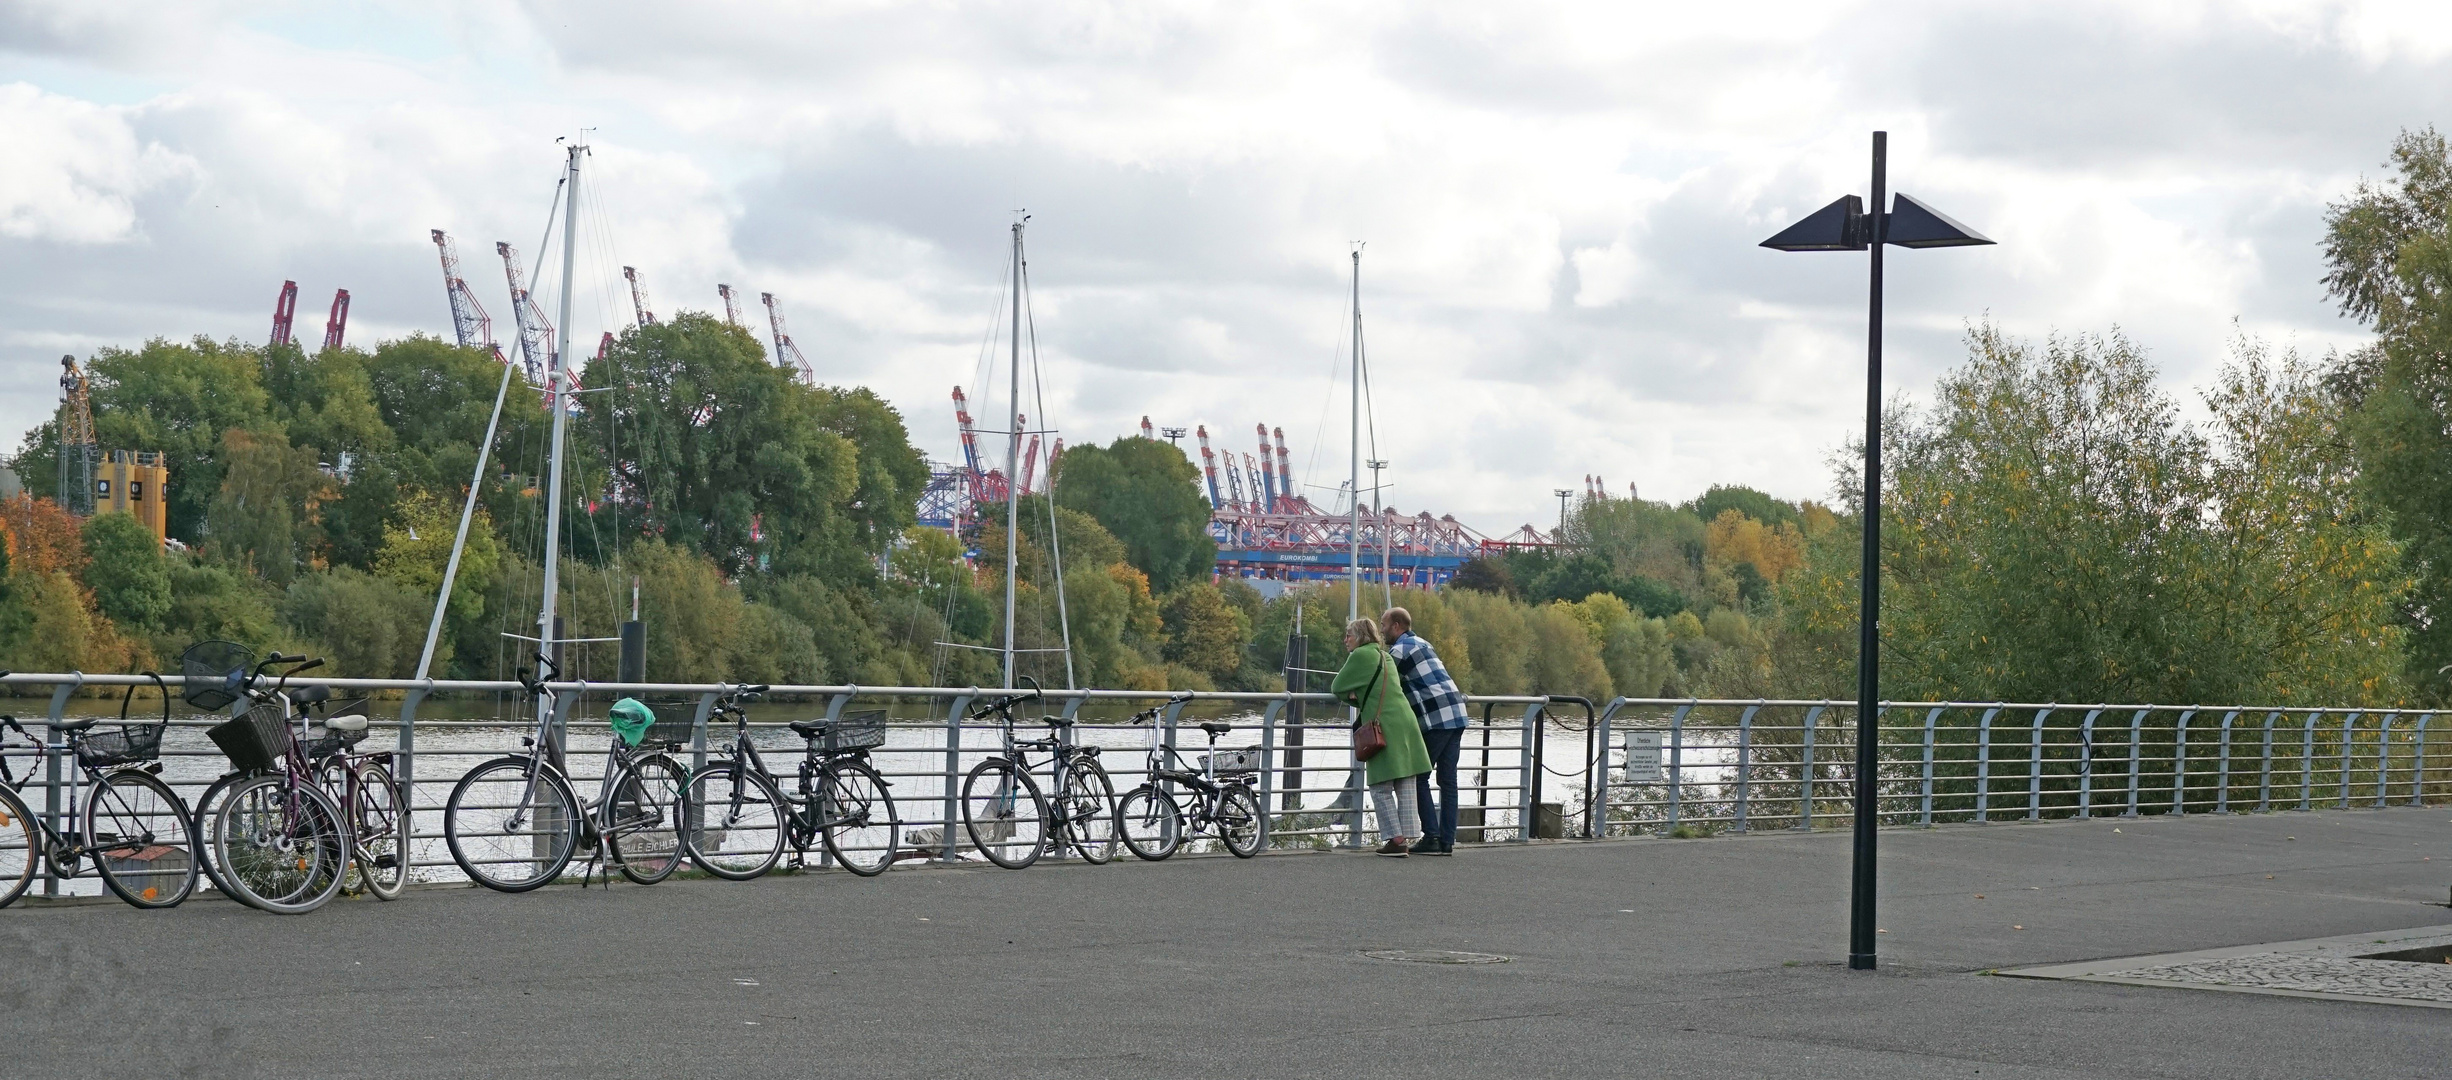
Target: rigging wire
[1055, 545]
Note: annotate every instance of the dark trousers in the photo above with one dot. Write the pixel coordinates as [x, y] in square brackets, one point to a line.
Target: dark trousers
[1439, 816]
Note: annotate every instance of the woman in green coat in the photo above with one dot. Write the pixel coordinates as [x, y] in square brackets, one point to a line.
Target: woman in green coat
[1369, 682]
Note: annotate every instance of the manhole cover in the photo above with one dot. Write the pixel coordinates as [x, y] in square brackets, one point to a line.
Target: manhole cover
[1434, 956]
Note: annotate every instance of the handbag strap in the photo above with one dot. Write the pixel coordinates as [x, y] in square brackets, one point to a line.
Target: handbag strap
[1364, 702]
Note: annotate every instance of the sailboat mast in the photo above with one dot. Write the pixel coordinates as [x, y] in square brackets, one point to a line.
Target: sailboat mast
[1353, 484]
[561, 416]
[1013, 452]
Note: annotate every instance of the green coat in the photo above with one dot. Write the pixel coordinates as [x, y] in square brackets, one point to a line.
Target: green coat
[1405, 755]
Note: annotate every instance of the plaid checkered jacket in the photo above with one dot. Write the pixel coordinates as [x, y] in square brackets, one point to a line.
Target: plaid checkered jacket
[1427, 684]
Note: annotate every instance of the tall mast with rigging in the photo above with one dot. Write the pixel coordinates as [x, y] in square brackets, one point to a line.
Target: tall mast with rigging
[1353, 577]
[1013, 451]
[559, 385]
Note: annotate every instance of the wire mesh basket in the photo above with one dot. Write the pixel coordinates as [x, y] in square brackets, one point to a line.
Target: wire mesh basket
[676, 723]
[1233, 762]
[255, 741]
[127, 744]
[214, 673]
[328, 740]
[859, 731]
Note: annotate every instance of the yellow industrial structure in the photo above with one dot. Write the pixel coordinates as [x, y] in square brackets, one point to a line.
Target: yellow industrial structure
[137, 482]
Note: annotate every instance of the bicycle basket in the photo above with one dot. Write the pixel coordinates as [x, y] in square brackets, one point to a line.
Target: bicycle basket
[1234, 762]
[859, 731]
[213, 673]
[101, 748]
[256, 741]
[669, 723]
[328, 740]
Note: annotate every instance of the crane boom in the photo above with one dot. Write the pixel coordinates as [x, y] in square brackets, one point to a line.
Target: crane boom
[78, 451]
[787, 355]
[283, 310]
[474, 328]
[1208, 465]
[336, 325]
[1030, 457]
[1285, 475]
[732, 307]
[638, 297]
[535, 333]
[1275, 495]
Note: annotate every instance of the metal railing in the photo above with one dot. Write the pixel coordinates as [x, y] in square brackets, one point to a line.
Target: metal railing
[1721, 765]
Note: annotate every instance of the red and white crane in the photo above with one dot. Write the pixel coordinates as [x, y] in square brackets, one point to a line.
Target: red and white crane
[283, 310]
[1293, 503]
[1275, 501]
[1208, 466]
[638, 296]
[535, 333]
[787, 355]
[732, 307]
[469, 322]
[1030, 457]
[336, 324]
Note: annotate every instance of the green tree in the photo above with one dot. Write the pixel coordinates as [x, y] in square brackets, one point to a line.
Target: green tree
[259, 519]
[367, 627]
[125, 569]
[1204, 632]
[172, 399]
[1720, 498]
[1147, 494]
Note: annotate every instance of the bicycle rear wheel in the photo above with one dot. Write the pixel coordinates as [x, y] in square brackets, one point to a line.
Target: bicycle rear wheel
[1238, 821]
[511, 824]
[643, 822]
[139, 834]
[1089, 811]
[21, 847]
[736, 829]
[283, 849]
[1004, 814]
[1151, 823]
[380, 827]
[860, 826]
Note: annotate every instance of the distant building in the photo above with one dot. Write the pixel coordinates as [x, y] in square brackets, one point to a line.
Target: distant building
[10, 486]
[137, 482]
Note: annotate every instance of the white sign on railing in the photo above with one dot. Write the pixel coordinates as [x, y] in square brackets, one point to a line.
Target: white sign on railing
[1643, 758]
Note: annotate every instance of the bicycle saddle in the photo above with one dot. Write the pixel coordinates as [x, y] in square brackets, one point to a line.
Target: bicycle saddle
[346, 722]
[79, 725]
[312, 695]
[1059, 721]
[1216, 729]
[810, 729]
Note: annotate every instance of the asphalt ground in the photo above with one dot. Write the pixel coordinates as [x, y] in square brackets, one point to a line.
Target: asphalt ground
[1711, 957]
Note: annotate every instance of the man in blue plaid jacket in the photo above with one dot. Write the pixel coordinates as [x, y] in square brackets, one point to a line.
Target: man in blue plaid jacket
[1440, 707]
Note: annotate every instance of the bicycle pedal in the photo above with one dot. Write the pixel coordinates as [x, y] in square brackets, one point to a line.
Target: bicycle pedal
[387, 861]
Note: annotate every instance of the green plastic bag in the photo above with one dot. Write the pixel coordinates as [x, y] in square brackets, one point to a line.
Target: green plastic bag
[630, 718]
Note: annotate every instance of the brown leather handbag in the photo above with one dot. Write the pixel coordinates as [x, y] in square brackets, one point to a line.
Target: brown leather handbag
[1368, 739]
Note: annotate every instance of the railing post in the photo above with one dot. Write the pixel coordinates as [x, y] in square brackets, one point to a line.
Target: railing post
[1596, 793]
[949, 849]
[2383, 758]
[1268, 763]
[1528, 779]
[404, 761]
[698, 729]
[2136, 734]
[2349, 735]
[1677, 761]
[2307, 758]
[2264, 783]
[1804, 786]
[2417, 780]
[1924, 815]
[1983, 765]
[2085, 764]
[2179, 768]
[2222, 789]
[1745, 762]
[2034, 768]
[55, 746]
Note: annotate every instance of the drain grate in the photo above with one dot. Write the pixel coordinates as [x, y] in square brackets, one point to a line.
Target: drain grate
[1434, 956]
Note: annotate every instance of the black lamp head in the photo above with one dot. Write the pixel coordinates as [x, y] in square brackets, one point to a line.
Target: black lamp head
[1841, 226]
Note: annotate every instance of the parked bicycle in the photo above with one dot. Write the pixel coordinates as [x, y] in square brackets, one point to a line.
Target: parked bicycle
[134, 828]
[514, 823]
[1007, 818]
[743, 818]
[362, 784]
[276, 840]
[1215, 798]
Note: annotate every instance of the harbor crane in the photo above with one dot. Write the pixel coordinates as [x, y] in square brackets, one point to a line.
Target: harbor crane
[732, 307]
[336, 324]
[638, 296]
[79, 453]
[787, 354]
[283, 311]
[474, 328]
[535, 333]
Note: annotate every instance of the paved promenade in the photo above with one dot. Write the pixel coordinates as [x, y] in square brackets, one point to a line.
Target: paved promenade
[1694, 958]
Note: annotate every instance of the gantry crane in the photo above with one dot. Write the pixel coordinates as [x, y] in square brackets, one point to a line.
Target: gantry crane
[1208, 465]
[283, 310]
[79, 453]
[1275, 502]
[1290, 501]
[535, 333]
[474, 328]
[336, 324]
[732, 307]
[787, 355]
[638, 297]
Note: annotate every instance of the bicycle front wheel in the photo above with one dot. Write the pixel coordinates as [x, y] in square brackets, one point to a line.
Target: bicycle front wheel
[139, 833]
[736, 830]
[1089, 812]
[511, 824]
[1238, 821]
[281, 848]
[857, 814]
[643, 820]
[207, 805]
[379, 823]
[1004, 814]
[1151, 823]
[21, 847]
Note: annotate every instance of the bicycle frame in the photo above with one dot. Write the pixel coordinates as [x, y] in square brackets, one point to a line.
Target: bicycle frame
[65, 851]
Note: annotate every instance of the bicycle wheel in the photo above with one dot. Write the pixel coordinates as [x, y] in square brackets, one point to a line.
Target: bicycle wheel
[207, 804]
[284, 849]
[857, 815]
[139, 834]
[1007, 828]
[1238, 821]
[1089, 811]
[642, 824]
[511, 824]
[1151, 823]
[736, 829]
[380, 830]
[21, 847]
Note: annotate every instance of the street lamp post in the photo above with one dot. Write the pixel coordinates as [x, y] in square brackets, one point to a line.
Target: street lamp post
[1845, 226]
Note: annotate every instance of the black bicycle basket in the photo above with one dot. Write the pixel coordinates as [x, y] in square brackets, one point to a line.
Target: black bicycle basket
[676, 723]
[256, 741]
[127, 744]
[327, 741]
[859, 731]
[215, 673]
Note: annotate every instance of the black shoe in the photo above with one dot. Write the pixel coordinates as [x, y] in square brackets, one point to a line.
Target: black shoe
[1434, 847]
[1394, 849]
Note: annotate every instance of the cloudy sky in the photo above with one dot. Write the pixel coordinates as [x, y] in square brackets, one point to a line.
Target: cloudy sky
[1561, 202]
